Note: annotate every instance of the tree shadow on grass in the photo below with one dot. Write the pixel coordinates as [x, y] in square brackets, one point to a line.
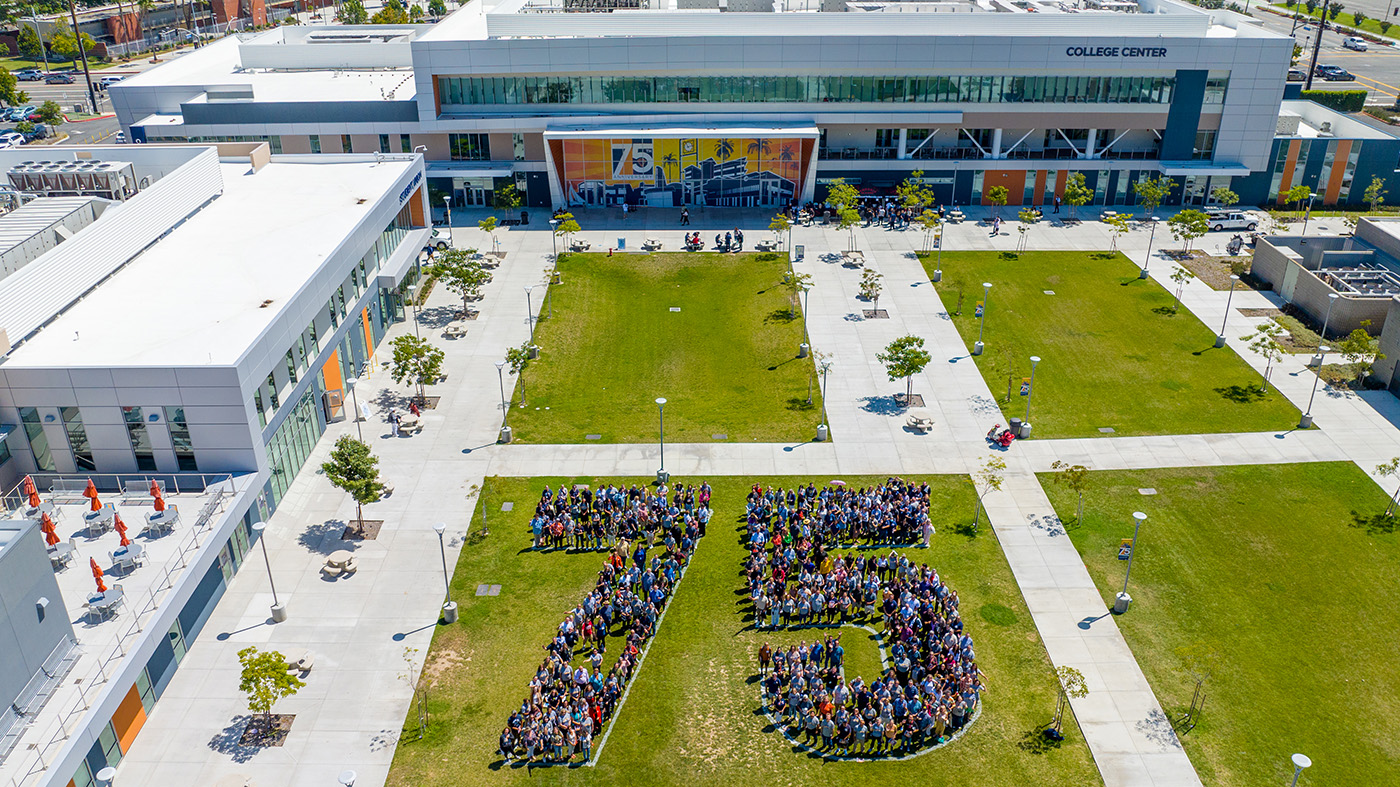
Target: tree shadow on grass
[1165, 311]
[1241, 394]
[781, 315]
[1103, 255]
[1374, 524]
[1035, 741]
[800, 405]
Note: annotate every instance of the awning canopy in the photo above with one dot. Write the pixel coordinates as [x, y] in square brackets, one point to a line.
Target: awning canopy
[403, 258]
[468, 169]
[1178, 168]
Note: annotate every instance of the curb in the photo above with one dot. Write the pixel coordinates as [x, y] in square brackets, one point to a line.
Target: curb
[89, 120]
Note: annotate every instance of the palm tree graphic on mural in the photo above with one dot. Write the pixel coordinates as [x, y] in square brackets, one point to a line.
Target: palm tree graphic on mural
[724, 149]
[785, 154]
[669, 161]
[760, 147]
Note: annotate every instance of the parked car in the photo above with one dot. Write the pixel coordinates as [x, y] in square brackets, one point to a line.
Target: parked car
[439, 240]
[58, 79]
[1231, 220]
[1333, 73]
[1297, 75]
[39, 131]
[20, 112]
[29, 75]
[106, 82]
[1355, 43]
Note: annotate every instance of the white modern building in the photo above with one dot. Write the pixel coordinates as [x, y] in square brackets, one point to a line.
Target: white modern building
[738, 102]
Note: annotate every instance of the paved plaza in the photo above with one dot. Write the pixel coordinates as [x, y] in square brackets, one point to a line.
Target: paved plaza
[370, 630]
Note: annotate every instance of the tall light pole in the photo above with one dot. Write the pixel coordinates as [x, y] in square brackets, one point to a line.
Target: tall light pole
[554, 239]
[505, 409]
[1220, 340]
[82, 52]
[1307, 212]
[1307, 420]
[938, 266]
[1142, 274]
[530, 313]
[447, 213]
[1120, 604]
[352, 382]
[806, 345]
[449, 607]
[1332, 299]
[661, 476]
[279, 610]
[34, 17]
[986, 292]
[1025, 423]
[1300, 761]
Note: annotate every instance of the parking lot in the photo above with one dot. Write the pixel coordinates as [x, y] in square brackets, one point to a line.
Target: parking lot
[1377, 70]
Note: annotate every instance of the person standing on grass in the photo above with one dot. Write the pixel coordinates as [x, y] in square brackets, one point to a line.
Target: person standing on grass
[765, 656]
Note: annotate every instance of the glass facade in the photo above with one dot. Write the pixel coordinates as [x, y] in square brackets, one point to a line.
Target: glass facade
[77, 438]
[38, 441]
[469, 147]
[292, 443]
[140, 439]
[752, 89]
[180, 439]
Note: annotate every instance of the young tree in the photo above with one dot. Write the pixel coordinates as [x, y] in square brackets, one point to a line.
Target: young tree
[1222, 195]
[567, 226]
[796, 282]
[846, 199]
[1076, 477]
[779, 225]
[437, 8]
[1187, 226]
[415, 14]
[1296, 195]
[265, 680]
[1076, 193]
[352, 12]
[65, 44]
[847, 218]
[903, 358]
[29, 44]
[518, 358]
[1072, 686]
[1311, 5]
[1121, 224]
[1334, 11]
[488, 225]
[1028, 218]
[1360, 351]
[460, 274]
[9, 89]
[932, 226]
[1200, 662]
[1384, 25]
[1152, 192]
[390, 14]
[997, 196]
[416, 361]
[50, 112]
[1375, 193]
[353, 470]
[507, 197]
[988, 478]
[1265, 342]
[912, 192]
[1358, 17]
[1390, 470]
[1181, 276]
[871, 285]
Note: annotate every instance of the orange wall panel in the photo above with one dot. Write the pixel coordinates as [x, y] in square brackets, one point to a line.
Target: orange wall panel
[1014, 181]
[129, 718]
[1333, 186]
[331, 370]
[1039, 196]
[1292, 160]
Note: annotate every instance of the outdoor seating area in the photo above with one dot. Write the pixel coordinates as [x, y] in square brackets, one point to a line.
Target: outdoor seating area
[651, 244]
[339, 563]
[300, 662]
[766, 245]
[455, 330]
[410, 424]
[580, 245]
[920, 420]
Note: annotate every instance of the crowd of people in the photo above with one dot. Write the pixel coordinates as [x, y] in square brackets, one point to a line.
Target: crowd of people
[796, 577]
[571, 694]
[583, 519]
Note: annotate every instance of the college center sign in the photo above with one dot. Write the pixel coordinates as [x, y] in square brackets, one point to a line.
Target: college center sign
[1116, 51]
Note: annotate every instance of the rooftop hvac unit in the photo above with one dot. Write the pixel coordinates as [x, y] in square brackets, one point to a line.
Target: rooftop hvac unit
[112, 180]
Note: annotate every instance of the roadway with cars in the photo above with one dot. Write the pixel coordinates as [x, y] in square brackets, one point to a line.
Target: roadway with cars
[1377, 69]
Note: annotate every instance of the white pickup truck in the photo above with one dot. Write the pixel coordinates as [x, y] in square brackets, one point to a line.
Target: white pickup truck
[1231, 220]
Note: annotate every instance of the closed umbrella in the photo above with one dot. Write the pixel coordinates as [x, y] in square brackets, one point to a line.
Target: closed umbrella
[97, 575]
[31, 491]
[50, 533]
[121, 531]
[91, 494]
[159, 501]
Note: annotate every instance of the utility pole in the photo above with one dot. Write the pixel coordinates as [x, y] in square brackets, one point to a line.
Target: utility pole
[34, 16]
[1317, 44]
[82, 52]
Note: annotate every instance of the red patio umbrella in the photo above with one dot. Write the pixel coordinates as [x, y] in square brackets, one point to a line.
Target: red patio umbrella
[121, 531]
[31, 491]
[97, 575]
[50, 533]
[159, 501]
[91, 494]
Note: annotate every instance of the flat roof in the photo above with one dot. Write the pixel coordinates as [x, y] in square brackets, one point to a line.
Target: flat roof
[33, 217]
[195, 297]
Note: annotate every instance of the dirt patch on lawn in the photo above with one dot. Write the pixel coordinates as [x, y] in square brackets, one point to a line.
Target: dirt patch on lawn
[1215, 271]
[439, 662]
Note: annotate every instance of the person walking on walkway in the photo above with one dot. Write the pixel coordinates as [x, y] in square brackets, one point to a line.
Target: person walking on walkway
[685, 217]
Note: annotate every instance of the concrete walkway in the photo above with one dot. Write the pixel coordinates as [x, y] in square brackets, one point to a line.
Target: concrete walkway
[363, 627]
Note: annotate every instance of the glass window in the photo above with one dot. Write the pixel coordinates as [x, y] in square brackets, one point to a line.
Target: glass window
[145, 690]
[345, 144]
[383, 143]
[111, 749]
[77, 438]
[315, 143]
[517, 143]
[38, 441]
[469, 147]
[176, 637]
[405, 143]
[140, 439]
[4, 452]
[180, 438]
[275, 143]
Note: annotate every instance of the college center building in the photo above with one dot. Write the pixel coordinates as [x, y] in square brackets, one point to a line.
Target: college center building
[741, 103]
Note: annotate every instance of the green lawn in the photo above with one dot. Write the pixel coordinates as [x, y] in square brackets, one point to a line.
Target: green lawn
[1344, 19]
[1114, 352]
[726, 361]
[1286, 573]
[691, 718]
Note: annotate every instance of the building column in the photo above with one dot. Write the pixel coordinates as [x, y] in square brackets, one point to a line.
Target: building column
[1090, 143]
[996, 143]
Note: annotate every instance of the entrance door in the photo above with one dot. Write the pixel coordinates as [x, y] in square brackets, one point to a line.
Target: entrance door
[475, 195]
[1195, 191]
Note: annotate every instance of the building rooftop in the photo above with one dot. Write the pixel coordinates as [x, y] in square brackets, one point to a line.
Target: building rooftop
[203, 293]
[21, 224]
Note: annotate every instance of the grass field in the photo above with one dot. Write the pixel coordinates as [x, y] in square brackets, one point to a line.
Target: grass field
[691, 718]
[1114, 354]
[1284, 573]
[726, 361]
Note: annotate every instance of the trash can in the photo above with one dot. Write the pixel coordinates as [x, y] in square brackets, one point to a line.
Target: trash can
[524, 217]
[1015, 426]
[1025, 432]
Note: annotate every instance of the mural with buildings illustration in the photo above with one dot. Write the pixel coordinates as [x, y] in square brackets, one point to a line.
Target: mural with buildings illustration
[718, 172]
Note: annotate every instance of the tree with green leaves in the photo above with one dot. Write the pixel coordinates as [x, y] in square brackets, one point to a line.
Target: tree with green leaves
[456, 269]
[1187, 226]
[847, 218]
[1180, 276]
[1297, 195]
[903, 358]
[1334, 11]
[50, 112]
[988, 478]
[415, 14]
[354, 470]
[1311, 5]
[1076, 478]
[30, 44]
[1121, 224]
[65, 44]
[390, 14]
[264, 680]
[779, 225]
[1076, 193]
[1384, 25]
[1357, 17]
[996, 197]
[1375, 193]
[567, 226]
[912, 192]
[932, 225]
[518, 359]
[845, 198]
[1222, 195]
[437, 8]
[1028, 217]
[1360, 351]
[871, 285]
[506, 198]
[1390, 470]
[1072, 686]
[1152, 192]
[352, 12]
[417, 361]
[796, 282]
[9, 89]
[1264, 341]
[488, 225]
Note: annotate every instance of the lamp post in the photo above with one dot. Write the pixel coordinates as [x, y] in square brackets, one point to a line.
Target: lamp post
[823, 431]
[1300, 761]
[986, 292]
[352, 382]
[1220, 340]
[530, 314]
[279, 610]
[1307, 212]
[806, 345]
[449, 607]
[554, 239]
[1142, 274]
[447, 213]
[938, 266]
[661, 475]
[347, 778]
[505, 410]
[1120, 604]
[1332, 299]
[1306, 421]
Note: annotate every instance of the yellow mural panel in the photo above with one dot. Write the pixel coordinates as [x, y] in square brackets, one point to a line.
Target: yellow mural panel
[718, 171]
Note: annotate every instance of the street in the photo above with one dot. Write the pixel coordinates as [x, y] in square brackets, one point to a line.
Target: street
[1377, 70]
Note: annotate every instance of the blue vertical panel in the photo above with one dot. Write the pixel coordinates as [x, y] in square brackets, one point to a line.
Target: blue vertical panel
[1184, 115]
[161, 666]
[201, 603]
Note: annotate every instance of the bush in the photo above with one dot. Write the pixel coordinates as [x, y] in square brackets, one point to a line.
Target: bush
[1340, 100]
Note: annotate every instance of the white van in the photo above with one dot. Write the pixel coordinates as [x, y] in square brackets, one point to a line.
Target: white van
[1231, 220]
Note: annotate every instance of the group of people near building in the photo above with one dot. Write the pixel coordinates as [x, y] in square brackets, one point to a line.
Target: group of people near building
[581, 519]
[796, 578]
[569, 702]
[895, 512]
